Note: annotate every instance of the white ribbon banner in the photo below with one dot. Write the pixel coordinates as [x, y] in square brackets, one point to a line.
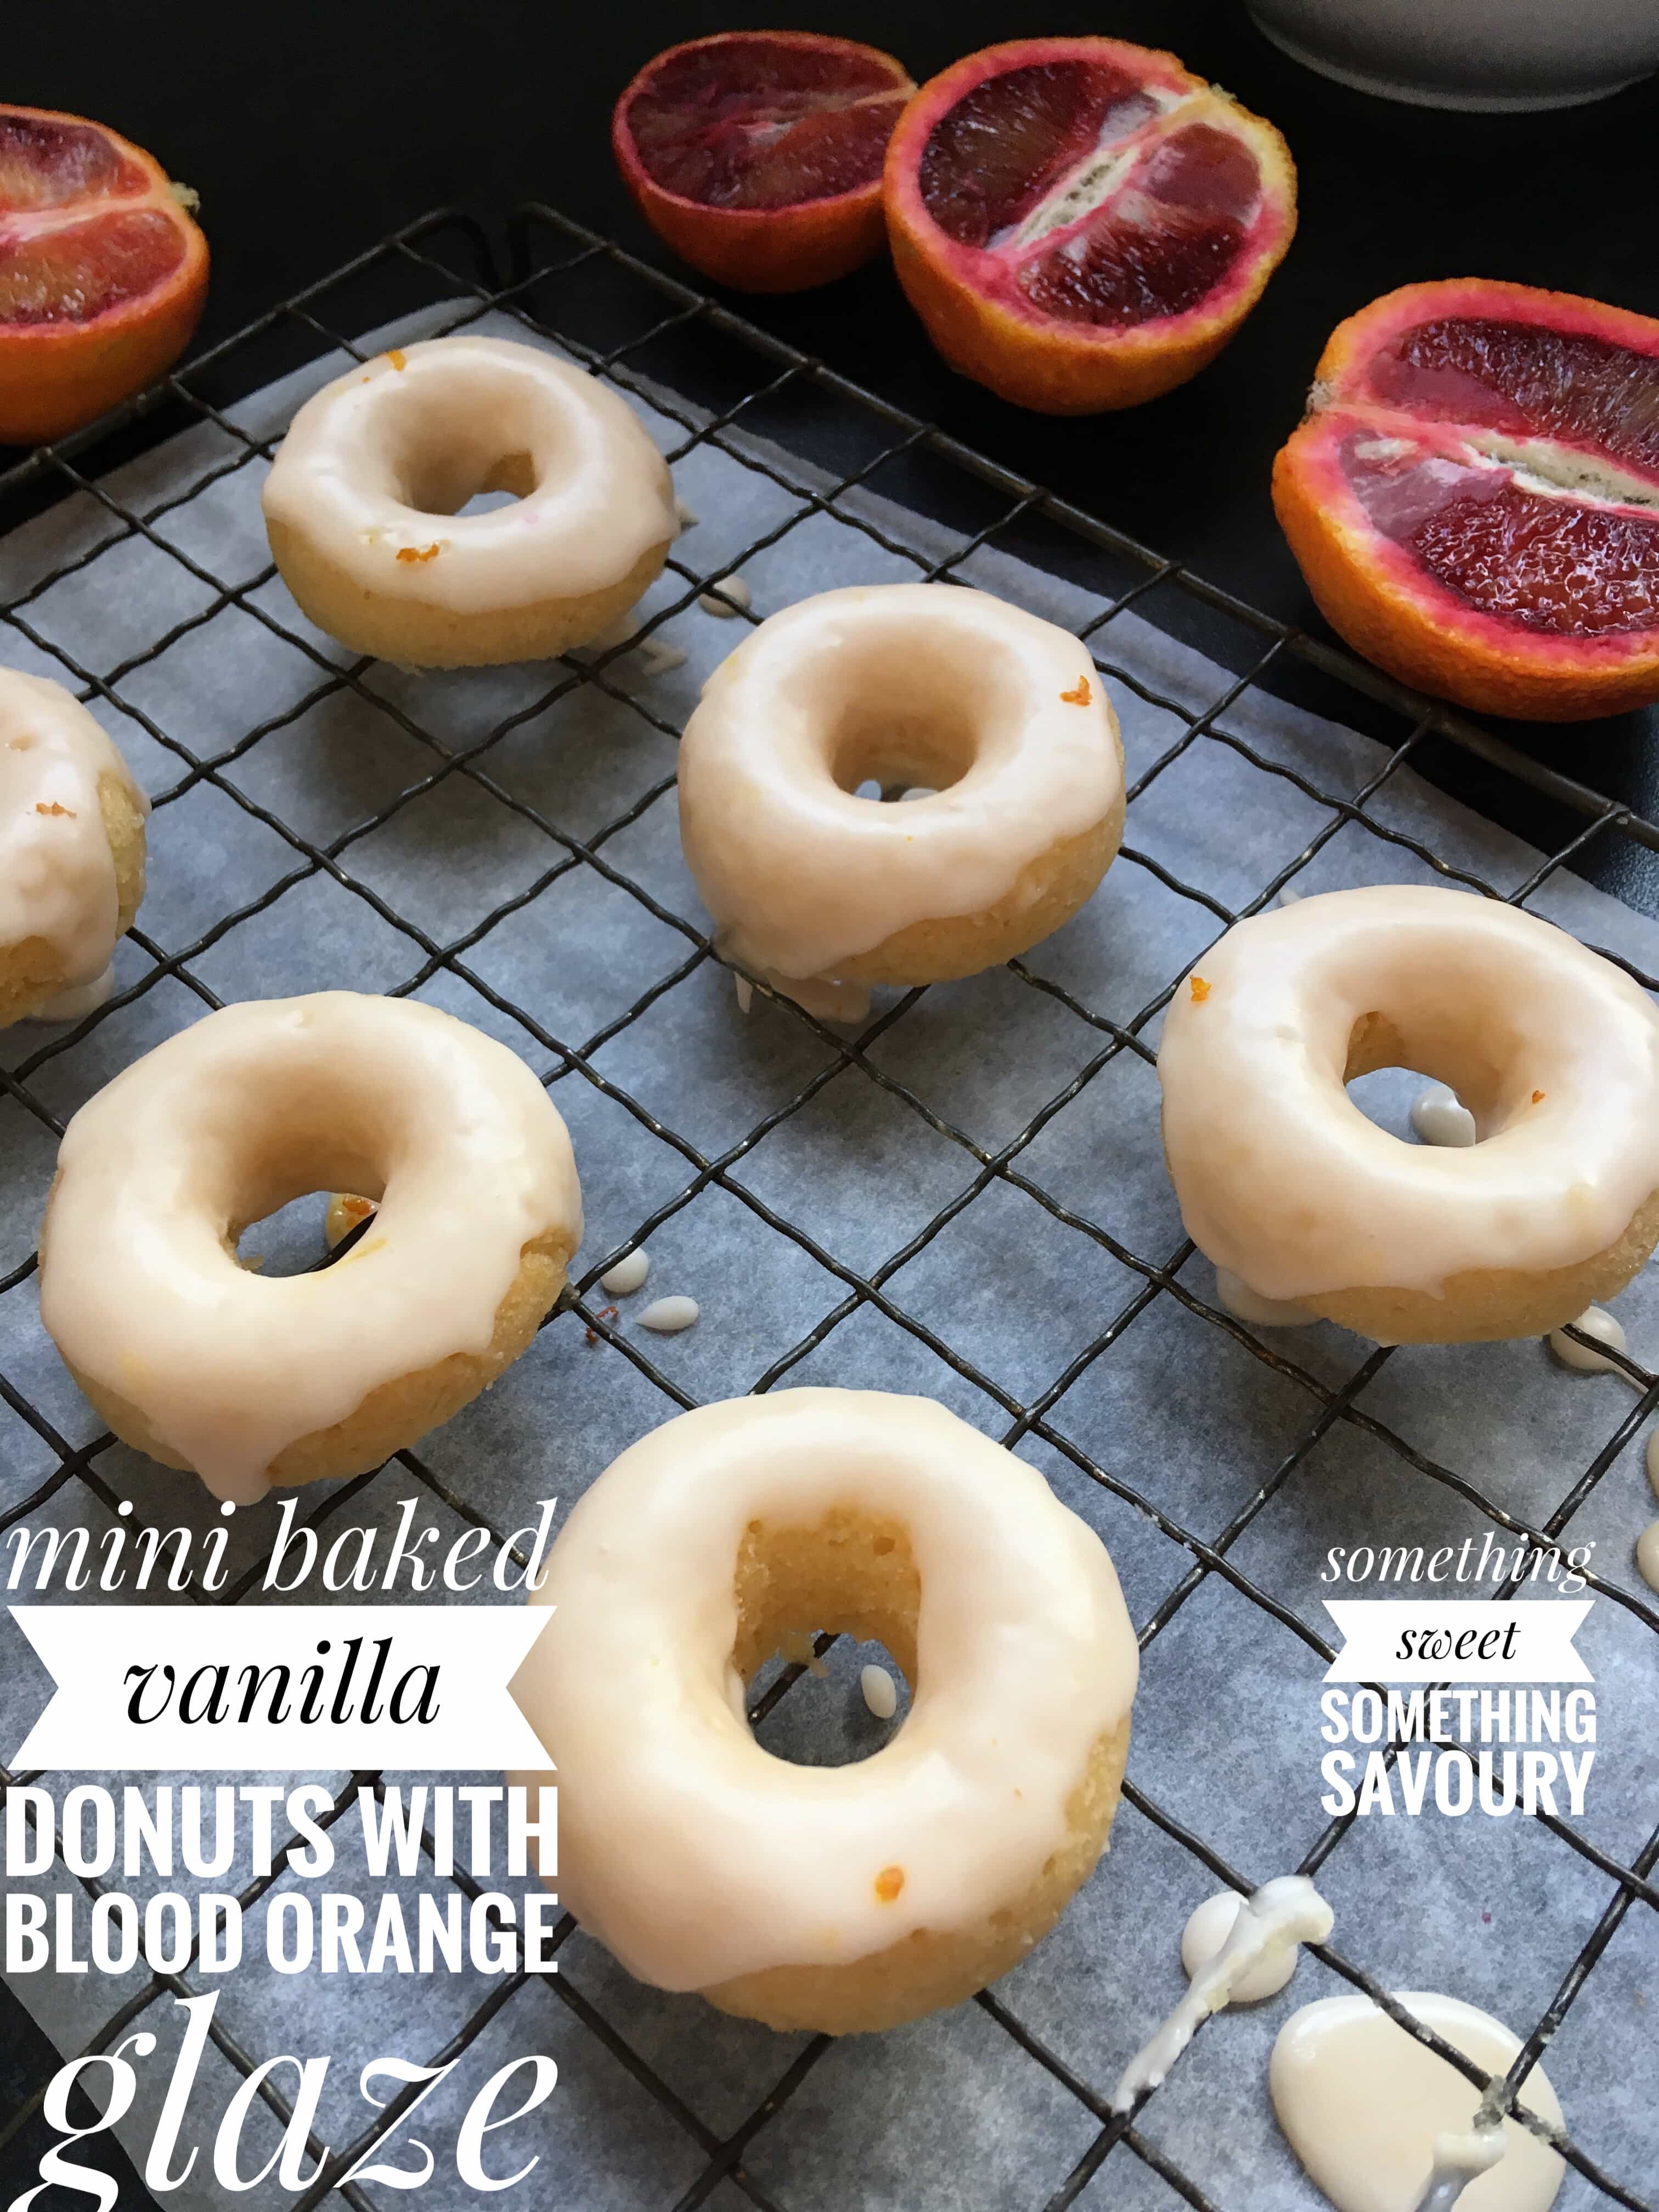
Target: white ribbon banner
[1409, 1639]
[213, 1688]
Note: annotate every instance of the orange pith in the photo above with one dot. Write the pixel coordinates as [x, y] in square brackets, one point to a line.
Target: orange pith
[1473, 496]
[1081, 223]
[757, 154]
[102, 273]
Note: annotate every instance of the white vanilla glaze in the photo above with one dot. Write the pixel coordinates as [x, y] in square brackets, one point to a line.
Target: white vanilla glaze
[1439, 1117]
[696, 1856]
[1283, 1180]
[630, 1272]
[379, 462]
[57, 872]
[729, 599]
[799, 872]
[1647, 1555]
[668, 1316]
[1270, 1924]
[1248, 1305]
[76, 1002]
[1605, 1327]
[1379, 2120]
[254, 1105]
[1454, 2160]
[880, 1691]
[1205, 1936]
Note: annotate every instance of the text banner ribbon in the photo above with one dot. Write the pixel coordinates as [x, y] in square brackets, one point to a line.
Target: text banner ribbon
[217, 1689]
[1457, 1640]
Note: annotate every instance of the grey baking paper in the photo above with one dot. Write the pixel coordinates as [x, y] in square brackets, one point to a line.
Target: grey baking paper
[951, 2113]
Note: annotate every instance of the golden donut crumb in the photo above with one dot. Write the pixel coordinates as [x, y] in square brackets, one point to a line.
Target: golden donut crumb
[1078, 696]
[397, 357]
[418, 552]
[1537, 1097]
[888, 1882]
[1200, 989]
[44, 806]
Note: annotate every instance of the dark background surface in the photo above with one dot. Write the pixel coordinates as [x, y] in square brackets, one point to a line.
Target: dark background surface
[28, 2062]
[336, 123]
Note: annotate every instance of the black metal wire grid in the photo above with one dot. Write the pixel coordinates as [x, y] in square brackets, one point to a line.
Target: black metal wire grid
[633, 314]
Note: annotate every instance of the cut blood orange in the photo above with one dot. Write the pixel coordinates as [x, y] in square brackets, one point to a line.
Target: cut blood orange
[1473, 496]
[102, 273]
[757, 154]
[1080, 223]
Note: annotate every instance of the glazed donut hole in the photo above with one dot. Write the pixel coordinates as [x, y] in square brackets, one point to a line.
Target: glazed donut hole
[304, 1145]
[900, 725]
[852, 1574]
[856, 1573]
[1495, 1085]
[278, 1196]
[434, 463]
[303, 1234]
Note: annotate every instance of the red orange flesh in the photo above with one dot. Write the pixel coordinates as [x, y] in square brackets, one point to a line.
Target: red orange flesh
[102, 273]
[1473, 496]
[1080, 223]
[757, 154]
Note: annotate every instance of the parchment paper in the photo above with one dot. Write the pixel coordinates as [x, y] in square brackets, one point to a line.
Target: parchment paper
[951, 2112]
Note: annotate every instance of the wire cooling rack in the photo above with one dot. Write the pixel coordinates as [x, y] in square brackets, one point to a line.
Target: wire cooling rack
[647, 332]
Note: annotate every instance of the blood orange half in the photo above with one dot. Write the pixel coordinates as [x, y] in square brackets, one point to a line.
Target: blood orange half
[102, 273]
[757, 154]
[1080, 223]
[1473, 496]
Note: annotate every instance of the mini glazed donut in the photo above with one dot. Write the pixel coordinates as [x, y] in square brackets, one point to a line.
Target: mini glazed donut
[362, 505]
[1284, 1182]
[72, 851]
[847, 1898]
[1001, 714]
[251, 1382]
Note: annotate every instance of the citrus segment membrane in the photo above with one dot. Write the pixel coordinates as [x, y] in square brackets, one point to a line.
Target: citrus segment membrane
[1550, 560]
[751, 124]
[49, 160]
[1009, 142]
[1167, 239]
[69, 274]
[1526, 379]
[1527, 510]
[102, 272]
[1102, 205]
[1473, 496]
